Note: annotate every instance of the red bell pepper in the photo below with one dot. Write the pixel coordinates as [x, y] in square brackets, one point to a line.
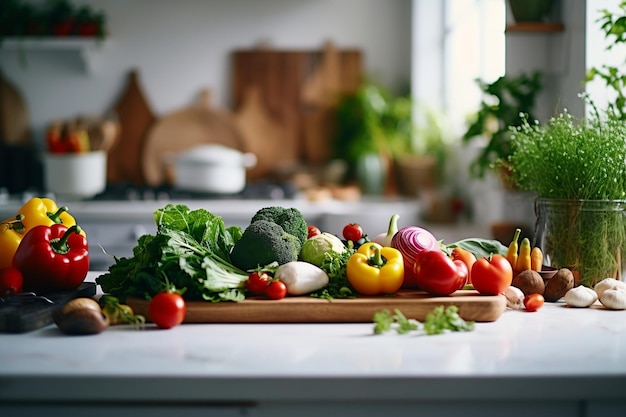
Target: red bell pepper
[52, 258]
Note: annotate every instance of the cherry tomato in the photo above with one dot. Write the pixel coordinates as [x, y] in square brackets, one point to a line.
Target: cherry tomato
[11, 281]
[258, 282]
[276, 290]
[533, 302]
[314, 231]
[437, 274]
[167, 309]
[352, 231]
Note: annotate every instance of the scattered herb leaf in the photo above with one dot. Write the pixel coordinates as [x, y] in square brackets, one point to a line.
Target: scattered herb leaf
[438, 321]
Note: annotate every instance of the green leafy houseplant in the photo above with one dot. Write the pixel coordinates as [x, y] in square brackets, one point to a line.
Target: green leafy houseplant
[577, 167]
[504, 100]
[614, 28]
[375, 121]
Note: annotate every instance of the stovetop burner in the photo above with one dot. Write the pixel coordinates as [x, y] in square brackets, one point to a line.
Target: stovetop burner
[259, 190]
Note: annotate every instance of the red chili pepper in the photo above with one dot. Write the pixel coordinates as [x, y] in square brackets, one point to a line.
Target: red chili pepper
[52, 258]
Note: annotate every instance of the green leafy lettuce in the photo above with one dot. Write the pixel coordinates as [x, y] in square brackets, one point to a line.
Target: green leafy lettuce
[189, 252]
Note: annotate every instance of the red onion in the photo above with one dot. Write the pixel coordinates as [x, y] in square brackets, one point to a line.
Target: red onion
[410, 241]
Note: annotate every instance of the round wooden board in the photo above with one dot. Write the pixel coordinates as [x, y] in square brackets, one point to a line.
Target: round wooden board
[184, 129]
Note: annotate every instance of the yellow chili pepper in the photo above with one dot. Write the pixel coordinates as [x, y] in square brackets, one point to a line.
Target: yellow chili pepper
[44, 211]
[511, 253]
[536, 259]
[11, 233]
[375, 269]
[523, 259]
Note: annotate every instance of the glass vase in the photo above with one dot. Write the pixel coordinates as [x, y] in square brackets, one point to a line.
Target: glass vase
[586, 236]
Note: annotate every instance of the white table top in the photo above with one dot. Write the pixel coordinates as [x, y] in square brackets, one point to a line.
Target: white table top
[559, 352]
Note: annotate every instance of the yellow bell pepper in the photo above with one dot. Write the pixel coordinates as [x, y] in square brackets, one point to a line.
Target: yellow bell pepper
[35, 212]
[375, 269]
[11, 233]
[44, 211]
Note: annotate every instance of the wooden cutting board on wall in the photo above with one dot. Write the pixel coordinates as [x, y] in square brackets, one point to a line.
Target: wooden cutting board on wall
[300, 89]
[135, 117]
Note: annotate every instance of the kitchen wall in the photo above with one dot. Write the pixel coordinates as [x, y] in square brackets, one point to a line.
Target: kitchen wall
[182, 46]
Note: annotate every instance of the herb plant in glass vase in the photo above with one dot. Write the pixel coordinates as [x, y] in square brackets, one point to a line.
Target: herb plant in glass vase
[577, 167]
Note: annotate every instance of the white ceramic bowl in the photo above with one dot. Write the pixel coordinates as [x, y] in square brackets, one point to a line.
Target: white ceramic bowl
[75, 175]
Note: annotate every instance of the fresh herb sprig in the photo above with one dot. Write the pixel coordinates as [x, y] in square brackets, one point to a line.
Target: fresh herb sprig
[438, 321]
[570, 158]
[334, 265]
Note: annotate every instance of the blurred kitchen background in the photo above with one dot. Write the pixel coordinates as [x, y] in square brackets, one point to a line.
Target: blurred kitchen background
[320, 92]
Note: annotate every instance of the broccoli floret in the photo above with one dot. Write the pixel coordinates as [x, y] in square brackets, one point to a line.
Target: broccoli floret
[262, 243]
[290, 219]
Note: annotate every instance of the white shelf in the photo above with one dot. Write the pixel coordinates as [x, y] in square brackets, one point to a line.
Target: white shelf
[88, 48]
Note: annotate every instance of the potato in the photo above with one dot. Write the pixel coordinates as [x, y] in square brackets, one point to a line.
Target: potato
[559, 285]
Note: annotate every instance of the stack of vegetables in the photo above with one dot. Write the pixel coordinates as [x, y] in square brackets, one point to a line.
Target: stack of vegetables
[42, 250]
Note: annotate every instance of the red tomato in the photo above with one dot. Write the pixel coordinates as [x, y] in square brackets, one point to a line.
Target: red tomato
[493, 275]
[533, 302]
[258, 282]
[352, 231]
[276, 290]
[167, 309]
[437, 274]
[314, 231]
[11, 281]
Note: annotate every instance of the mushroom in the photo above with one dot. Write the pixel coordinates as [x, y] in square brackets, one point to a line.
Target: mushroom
[81, 316]
[580, 296]
[614, 299]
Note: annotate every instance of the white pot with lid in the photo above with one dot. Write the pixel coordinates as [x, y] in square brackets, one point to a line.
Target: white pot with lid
[212, 168]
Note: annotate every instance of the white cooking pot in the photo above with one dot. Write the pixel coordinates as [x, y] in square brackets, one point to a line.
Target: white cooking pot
[212, 169]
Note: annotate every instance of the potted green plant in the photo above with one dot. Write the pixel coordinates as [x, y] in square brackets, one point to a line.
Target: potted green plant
[375, 132]
[577, 168]
[504, 101]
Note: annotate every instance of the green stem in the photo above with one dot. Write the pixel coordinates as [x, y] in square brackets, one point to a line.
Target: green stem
[376, 259]
[56, 217]
[16, 224]
[60, 245]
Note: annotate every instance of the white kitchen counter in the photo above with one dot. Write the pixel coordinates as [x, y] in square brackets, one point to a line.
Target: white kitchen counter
[558, 361]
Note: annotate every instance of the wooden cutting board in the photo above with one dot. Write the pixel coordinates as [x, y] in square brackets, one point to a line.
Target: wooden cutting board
[300, 88]
[263, 135]
[14, 120]
[135, 117]
[19, 315]
[413, 304]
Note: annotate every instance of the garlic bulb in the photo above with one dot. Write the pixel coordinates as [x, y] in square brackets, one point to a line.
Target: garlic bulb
[580, 296]
[514, 298]
[614, 299]
[609, 284]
